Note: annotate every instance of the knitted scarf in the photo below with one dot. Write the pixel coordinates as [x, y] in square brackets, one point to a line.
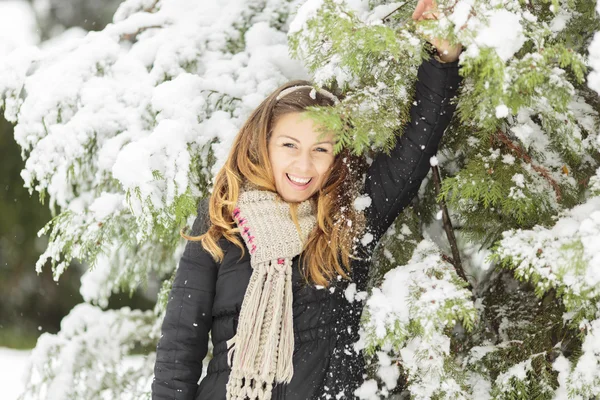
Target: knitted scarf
[261, 351]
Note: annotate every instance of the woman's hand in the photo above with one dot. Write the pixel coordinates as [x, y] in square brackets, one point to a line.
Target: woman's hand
[427, 9]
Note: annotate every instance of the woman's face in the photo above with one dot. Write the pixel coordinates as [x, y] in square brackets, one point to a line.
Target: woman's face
[300, 156]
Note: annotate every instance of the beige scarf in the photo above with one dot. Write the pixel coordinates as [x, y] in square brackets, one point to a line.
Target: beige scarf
[261, 351]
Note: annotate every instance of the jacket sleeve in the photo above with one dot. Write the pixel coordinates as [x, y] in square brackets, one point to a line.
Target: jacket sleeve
[184, 340]
[393, 179]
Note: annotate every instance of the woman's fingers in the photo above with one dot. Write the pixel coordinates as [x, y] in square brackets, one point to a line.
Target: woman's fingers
[419, 10]
[426, 9]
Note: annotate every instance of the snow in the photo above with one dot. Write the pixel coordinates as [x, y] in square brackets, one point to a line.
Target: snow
[362, 202]
[17, 26]
[368, 390]
[366, 239]
[501, 111]
[562, 365]
[519, 180]
[481, 387]
[439, 215]
[96, 284]
[405, 230]
[460, 14]
[585, 371]
[550, 252]
[508, 159]
[184, 83]
[504, 33]
[307, 11]
[350, 292]
[560, 21]
[518, 371]
[107, 204]
[12, 372]
[415, 294]
[382, 10]
[594, 60]
[92, 343]
[387, 371]
[137, 117]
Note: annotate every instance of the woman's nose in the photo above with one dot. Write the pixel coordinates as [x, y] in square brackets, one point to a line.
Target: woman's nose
[303, 162]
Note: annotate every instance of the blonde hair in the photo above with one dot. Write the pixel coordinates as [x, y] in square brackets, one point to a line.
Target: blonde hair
[328, 249]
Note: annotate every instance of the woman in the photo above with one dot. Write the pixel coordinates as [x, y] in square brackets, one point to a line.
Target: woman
[268, 276]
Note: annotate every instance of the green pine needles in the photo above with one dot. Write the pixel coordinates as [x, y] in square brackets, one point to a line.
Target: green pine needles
[517, 163]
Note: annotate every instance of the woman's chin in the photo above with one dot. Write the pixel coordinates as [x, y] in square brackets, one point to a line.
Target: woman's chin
[295, 197]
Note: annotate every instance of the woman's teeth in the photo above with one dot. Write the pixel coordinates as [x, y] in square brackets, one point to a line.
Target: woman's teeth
[298, 180]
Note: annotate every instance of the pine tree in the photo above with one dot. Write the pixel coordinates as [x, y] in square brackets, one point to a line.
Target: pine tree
[123, 130]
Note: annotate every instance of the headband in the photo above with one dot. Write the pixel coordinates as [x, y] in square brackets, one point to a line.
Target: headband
[312, 94]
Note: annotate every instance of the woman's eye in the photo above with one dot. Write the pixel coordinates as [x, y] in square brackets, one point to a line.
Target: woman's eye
[321, 149]
[290, 145]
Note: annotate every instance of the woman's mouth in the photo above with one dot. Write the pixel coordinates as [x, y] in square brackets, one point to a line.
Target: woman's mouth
[297, 182]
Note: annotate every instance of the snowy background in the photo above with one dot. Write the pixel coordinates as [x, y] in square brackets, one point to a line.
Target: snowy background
[101, 148]
[12, 368]
[17, 29]
[26, 23]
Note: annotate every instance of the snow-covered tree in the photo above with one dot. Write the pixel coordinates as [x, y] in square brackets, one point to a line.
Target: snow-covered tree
[122, 131]
[519, 193]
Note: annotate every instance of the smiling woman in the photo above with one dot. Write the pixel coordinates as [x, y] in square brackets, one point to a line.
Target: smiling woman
[282, 226]
[301, 157]
[281, 150]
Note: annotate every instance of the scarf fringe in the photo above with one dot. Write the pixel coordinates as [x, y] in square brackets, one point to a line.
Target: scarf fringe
[259, 363]
[261, 352]
[285, 367]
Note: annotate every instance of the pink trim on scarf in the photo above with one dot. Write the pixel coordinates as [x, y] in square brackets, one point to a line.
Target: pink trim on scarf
[245, 229]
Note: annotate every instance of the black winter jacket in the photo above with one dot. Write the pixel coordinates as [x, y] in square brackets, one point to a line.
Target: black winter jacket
[207, 296]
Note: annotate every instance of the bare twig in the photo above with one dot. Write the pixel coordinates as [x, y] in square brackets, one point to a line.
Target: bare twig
[395, 10]
[152, 7]
[448, 258]
[455, 260]
[133, 35]
[522, 154]
[585, 181]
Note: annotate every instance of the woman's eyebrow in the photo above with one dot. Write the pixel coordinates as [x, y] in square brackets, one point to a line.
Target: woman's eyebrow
[289, 137]
[326, 141]
[297, 141]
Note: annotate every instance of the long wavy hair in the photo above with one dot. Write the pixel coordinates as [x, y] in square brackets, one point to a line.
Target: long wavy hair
[328, 249]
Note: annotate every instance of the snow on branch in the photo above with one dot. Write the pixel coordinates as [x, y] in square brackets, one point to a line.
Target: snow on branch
[410, 315]
[143, 111]
[86, 359]
[564, 257]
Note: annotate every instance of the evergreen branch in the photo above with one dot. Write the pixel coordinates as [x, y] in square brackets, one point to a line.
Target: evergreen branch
[455, 260]
[395, 10]
[522, 154]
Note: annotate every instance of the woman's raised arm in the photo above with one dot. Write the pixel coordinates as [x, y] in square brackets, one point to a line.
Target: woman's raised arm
[394, 179]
